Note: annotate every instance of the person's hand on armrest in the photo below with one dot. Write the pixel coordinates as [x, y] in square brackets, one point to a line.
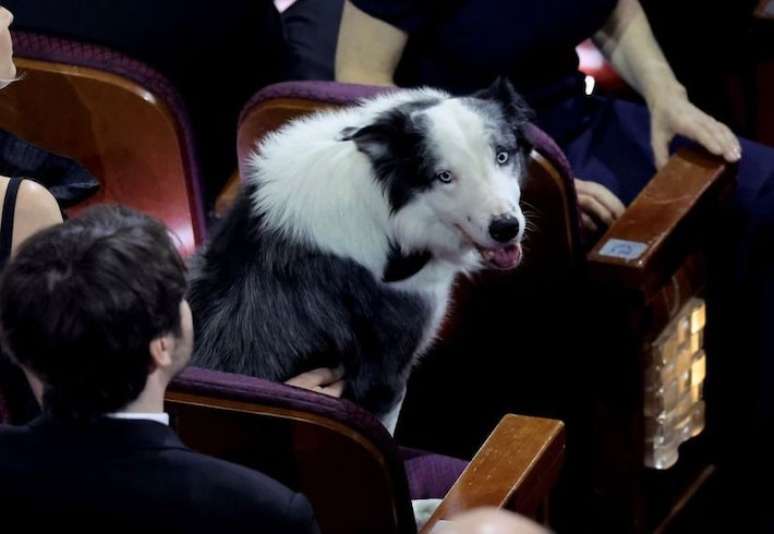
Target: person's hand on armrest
[671, 113]
[627, 41]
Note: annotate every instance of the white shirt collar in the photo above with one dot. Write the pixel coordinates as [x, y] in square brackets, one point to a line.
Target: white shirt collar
[162, 418]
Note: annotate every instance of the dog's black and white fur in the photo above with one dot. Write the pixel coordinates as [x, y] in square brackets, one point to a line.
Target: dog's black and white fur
[344, 243]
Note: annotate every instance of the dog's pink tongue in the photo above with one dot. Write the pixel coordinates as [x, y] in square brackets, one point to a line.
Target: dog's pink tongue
[506, 257]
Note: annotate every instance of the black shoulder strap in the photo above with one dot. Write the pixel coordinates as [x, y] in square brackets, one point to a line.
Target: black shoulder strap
[6, 225]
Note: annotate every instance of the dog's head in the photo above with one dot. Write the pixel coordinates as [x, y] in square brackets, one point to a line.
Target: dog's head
[451, 169]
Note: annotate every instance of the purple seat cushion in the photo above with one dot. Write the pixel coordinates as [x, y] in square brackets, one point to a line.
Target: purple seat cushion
[200, 381]
[68, 52]
[321, 91]
[430, 475]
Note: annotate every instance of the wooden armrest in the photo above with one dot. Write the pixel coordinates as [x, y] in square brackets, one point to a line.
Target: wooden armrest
[646, 244]
[514, 469]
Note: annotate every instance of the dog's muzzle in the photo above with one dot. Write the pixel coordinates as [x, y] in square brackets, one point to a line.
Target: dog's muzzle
[504, 258]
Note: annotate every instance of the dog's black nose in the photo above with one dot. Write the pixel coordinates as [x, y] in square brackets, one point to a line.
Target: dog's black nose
[503, 229]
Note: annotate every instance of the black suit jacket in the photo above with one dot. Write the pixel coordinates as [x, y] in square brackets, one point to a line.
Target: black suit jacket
[216, 53]
[134, 474]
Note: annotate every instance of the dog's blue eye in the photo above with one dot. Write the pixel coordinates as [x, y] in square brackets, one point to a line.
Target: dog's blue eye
[503, 157]
[445, 177]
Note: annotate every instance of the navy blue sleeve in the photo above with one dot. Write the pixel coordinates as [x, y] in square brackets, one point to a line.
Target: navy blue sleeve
[406, 15]
[301, 516]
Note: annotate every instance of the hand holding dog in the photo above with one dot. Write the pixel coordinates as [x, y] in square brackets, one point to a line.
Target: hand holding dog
[671, 113]
[323, 380]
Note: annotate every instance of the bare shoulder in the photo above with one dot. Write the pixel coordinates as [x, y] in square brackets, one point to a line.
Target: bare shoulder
[36, 209]
[36, 199]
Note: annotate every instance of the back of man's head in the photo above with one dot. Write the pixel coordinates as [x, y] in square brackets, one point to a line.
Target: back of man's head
[81, 302]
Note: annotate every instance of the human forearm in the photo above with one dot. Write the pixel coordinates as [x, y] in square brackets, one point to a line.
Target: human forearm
[627, 41]
[369, 49]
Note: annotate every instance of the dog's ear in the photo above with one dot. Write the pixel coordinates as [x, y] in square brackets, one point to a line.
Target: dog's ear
[525, 139]
[372, 140]
[516, 109]
[381, 137]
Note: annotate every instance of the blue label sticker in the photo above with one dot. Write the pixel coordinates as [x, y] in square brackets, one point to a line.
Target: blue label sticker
[620, 248]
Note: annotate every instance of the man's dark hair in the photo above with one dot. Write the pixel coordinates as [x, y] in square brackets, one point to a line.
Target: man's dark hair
[81, 302]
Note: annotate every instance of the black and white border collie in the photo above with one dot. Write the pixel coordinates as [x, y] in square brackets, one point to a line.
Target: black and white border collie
[342, 248]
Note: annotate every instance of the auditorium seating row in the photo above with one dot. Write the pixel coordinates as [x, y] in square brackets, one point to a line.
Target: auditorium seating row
[603, 333]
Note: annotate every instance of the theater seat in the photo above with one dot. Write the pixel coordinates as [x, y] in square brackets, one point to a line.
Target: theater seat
[608, 340]
[345, 462]
[117, 117]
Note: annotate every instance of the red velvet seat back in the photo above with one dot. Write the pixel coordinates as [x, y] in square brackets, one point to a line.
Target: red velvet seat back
[117, 117]
[335, 453]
